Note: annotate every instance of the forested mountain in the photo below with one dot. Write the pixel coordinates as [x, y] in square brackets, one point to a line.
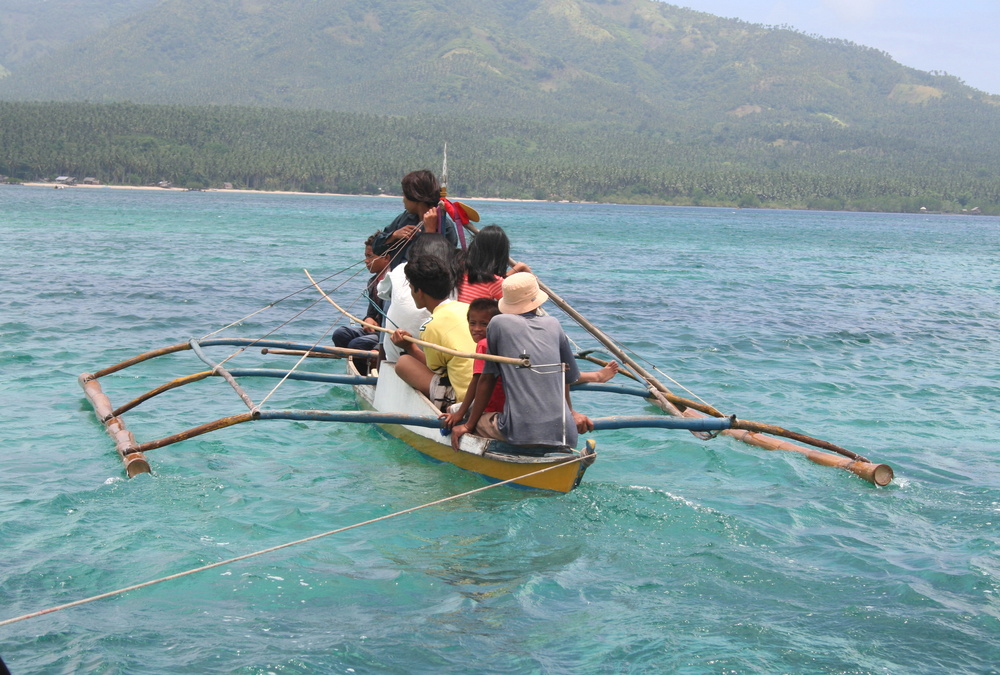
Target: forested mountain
[29, 30]
[650, 89]
[635, 61]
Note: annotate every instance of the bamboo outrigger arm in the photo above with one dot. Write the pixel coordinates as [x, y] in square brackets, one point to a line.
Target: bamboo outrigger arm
[877, 474]
[342, 352]
[125, 443]
[752, 433]
[747, 425]
[376, 417]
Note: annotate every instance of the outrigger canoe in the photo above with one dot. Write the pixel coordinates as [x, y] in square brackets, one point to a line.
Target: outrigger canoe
[385, 400]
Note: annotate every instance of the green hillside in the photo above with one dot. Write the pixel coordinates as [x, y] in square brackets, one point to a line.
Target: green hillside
[29, 30]
[665, 104]
[636, 61]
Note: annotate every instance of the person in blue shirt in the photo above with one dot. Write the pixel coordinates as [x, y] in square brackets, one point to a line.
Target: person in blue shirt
[421, 196]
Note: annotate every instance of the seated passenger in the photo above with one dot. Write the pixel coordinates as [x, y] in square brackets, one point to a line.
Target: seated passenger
[481, 312]
[394, 289]
[364, 336]
[484, 265]
[442, 377]
[537, 410]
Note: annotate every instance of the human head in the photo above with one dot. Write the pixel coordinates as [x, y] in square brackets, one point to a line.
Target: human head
[436, 245]
[422, 187]
[374, 262]
[488, 255]
[431, 275]
[521, 294]
[481, 311]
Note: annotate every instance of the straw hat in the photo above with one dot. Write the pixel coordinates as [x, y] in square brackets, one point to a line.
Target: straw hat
[521, 294]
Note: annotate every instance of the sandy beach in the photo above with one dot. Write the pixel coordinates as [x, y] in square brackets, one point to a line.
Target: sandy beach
[61, 186]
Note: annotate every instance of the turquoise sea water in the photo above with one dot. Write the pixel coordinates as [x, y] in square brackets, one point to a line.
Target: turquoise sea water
[878, 332]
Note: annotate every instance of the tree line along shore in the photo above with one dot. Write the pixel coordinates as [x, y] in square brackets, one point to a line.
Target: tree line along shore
[268, 149]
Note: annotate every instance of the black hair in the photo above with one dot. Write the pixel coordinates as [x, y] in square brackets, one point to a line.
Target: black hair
[370, 241]
[422, 186]
[484, 305]
[430, 274]
[436, 245]
[488, 255]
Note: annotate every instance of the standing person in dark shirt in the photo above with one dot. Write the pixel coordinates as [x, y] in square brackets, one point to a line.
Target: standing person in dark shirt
[421, 195]
[364, 337]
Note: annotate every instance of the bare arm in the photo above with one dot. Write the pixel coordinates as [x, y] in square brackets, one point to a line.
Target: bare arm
[406, 346]
[451, 419]
[583, 423]
[484, 390]
[602, 375]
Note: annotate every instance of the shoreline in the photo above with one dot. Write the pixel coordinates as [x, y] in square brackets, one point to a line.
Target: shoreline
[61, 186]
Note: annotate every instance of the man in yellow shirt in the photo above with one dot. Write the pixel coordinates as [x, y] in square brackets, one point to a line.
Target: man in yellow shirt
[442, 377]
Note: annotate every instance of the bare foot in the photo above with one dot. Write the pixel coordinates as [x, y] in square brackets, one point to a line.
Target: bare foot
[607, 372]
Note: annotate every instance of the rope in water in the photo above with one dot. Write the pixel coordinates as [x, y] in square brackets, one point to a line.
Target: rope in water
[314, 537]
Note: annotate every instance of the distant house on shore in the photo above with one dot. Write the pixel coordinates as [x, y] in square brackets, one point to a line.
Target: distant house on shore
[66, 180]
[165, 184]
[227, 186]
[90, 180]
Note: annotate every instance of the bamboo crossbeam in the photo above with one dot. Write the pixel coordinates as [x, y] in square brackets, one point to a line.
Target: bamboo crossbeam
[307, 376]
[221, 423]
[139, 359]
[173, 384]
[214, 342]
[313, 354]
[525, 363]
[260, 342]
[761, 428]
[877, 474]
[378, 417]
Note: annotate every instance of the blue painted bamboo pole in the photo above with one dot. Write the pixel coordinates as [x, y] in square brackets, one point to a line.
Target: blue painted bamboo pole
[303, 375]
[600, 423]
[630, 390]
[660, 422]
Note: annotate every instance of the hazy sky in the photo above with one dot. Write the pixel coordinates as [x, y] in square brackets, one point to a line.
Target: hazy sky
[957, 36]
